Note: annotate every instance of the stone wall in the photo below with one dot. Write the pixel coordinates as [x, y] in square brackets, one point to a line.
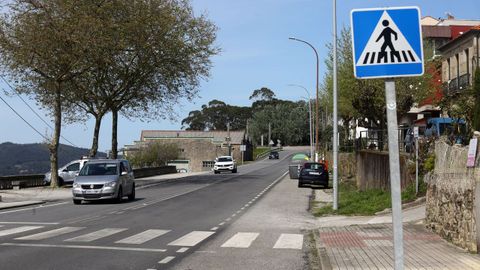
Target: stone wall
[452, 189]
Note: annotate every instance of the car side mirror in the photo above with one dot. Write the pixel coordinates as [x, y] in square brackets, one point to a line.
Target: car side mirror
[77, 174]
[124, 173]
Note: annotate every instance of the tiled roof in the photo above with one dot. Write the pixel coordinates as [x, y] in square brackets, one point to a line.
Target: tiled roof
[217, 136]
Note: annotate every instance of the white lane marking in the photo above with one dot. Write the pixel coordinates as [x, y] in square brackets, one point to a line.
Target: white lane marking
[32, 208]
[166, 259]
[221, 224]
[241, 240]
[182, 250]
[238, 212]
[243, 207]
[142, 237]
[51, 233]
[30, 223]
[84, 247]
[228, 219]
[19, 230]
[234, 215]
[191, 239]
[89, 237]
[214, 229]
[289, 241]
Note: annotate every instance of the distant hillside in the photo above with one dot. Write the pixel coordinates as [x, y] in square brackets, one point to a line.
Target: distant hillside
[34, 158]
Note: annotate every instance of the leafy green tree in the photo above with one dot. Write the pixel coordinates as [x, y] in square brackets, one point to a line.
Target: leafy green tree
[41, 45]
[476, 90]
[216, 115]
[154, 154]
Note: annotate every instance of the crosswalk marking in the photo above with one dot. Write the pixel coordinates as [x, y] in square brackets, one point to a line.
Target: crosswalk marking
[142, 237]
[19, 230]
[289, 241]
[95, 235]
[191, 239]
[84, 247]
[51, 233]
[241, 240]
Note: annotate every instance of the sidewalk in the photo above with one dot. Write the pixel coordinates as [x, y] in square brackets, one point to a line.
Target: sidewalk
[345, 242]
[31, 196]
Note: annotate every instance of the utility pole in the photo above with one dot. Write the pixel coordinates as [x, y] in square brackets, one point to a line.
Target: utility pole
[229, 139]
[335, 121]
[270, 134]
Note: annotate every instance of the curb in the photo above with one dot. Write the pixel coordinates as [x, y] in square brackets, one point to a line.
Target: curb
[322, 252]
[19, 204]
[417, 202]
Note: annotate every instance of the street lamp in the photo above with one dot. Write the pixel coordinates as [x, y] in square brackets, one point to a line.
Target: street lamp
[316, 99]
[309, 116]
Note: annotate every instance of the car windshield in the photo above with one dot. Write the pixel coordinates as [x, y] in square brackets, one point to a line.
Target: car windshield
[224, 159]
[99, 169]
[313, 167]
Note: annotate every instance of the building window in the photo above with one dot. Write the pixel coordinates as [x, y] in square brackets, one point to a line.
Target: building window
[448, 69]
[208, 163]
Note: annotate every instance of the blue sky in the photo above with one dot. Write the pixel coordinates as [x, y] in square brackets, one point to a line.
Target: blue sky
[256, 52]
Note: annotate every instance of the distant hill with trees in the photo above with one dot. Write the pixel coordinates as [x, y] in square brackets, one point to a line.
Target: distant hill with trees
[34, 158]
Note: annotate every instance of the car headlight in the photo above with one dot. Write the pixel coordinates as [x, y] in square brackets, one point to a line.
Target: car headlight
[76, 185]
[111, 184]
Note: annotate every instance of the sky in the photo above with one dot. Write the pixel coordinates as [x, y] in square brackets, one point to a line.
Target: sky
[255, 52]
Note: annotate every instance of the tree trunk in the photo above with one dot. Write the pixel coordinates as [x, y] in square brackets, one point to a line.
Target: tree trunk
[96, 132]
[114, 134]
[53, 147]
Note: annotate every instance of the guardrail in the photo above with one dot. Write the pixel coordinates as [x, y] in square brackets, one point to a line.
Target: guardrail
[36, 180]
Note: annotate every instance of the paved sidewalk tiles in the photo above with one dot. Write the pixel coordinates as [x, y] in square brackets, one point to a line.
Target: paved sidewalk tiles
[371, 247]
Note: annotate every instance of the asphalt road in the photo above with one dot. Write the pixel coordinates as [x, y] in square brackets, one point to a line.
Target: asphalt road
[164, 226]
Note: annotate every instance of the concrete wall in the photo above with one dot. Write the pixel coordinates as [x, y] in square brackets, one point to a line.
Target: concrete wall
[372, 170]
[452, 207]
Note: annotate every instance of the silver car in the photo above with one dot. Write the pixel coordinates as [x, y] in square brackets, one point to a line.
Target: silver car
[104, 179]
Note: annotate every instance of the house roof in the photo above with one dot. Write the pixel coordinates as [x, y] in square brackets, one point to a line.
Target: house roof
[434, 31]
[474, 31]
[216, 136]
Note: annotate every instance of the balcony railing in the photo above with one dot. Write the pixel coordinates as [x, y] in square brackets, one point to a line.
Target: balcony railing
[464, 81]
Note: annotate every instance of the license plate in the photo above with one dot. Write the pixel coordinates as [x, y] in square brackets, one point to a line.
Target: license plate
[91, 191]
[314, 173]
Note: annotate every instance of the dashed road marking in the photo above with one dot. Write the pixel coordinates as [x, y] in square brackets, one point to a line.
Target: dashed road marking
[241, 240]
[221, 224]
[182, 250]
[191, 239]
[166, 260]
[29, 223]
[214, 229]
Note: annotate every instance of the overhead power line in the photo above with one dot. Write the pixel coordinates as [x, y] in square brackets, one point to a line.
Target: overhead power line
[11, 108]
[41, 118]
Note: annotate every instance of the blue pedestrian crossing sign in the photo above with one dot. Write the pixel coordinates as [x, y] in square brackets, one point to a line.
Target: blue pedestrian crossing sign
[387, 42]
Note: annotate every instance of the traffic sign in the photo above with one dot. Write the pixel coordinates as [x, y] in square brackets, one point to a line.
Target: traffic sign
[387, 42]
[415, 132]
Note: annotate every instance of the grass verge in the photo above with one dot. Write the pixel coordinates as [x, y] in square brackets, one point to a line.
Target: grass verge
[355, 202]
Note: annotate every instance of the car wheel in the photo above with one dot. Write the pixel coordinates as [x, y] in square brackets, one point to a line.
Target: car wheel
[60, 182]
[131, 197]
[119, 195]
[234, 170]
[300, 185]
[77, 201]
[216, 172]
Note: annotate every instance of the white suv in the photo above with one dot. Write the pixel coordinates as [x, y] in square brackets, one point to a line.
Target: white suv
[225, 163]
[67, 173]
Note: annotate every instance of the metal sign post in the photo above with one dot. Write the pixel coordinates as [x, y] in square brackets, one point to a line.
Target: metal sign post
[394, 160]
[387, 43]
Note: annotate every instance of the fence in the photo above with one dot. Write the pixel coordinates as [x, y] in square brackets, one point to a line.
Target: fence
[377, 139]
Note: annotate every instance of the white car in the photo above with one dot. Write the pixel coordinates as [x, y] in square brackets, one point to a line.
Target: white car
[225, 163]
[67, 173]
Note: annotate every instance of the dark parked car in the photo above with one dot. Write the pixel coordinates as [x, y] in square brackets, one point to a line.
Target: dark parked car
[274, 155]
[313, 174]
